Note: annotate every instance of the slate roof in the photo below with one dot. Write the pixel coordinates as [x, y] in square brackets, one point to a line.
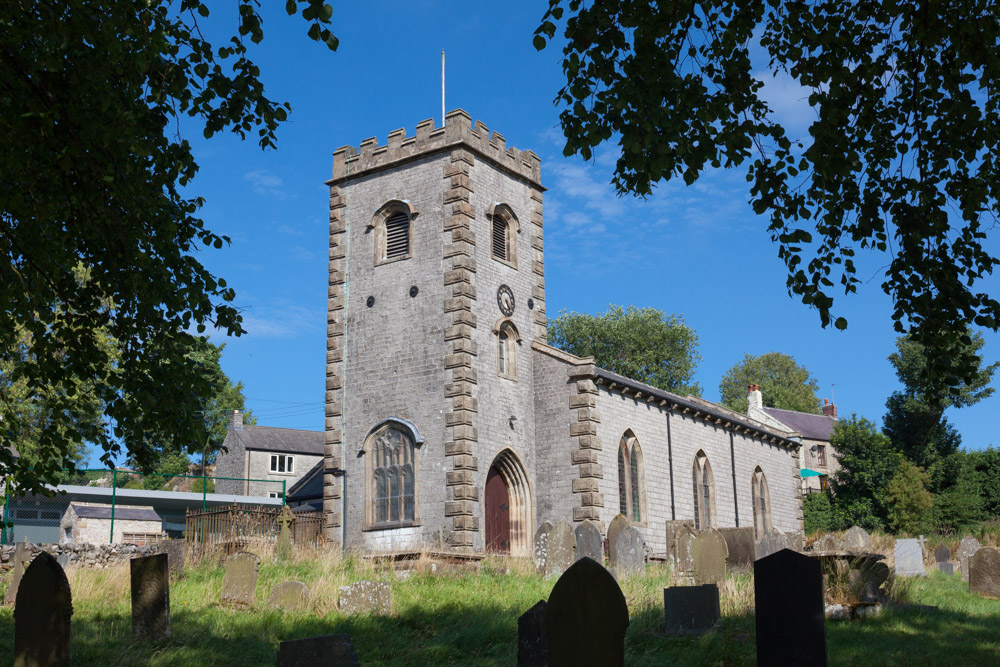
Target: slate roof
[814, 427]
[123, 513]
[273, 439]
[309, 486]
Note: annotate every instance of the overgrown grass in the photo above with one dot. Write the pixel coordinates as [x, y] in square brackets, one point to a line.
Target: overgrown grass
[470, 618]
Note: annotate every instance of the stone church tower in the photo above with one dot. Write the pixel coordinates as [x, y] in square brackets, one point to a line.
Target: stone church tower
[436, 294]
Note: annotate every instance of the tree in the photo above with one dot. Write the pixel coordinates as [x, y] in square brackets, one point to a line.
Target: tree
[959, 506]
[817, 513]
[868, 462]
[908, 500]
[783, 383]
[900, 157]
[984, 467]
[640, 343]
[92, 168]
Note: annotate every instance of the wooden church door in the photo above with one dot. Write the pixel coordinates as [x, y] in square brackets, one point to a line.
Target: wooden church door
[497, 513]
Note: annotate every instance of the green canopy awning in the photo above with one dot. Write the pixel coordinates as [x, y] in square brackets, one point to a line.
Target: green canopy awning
[806, 472]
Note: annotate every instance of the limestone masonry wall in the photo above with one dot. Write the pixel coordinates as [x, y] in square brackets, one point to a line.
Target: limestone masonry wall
[81, 555]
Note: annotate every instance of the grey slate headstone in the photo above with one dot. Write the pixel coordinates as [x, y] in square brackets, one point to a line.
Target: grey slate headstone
[629, 552]
[772, 543]
[239, 584]
[532, 642]
[174, 549]
[741, 545]
[289, 596]
[561, 547]
[589, 541]
[909, 558]
[683, 558]
[150, 583]
[42, 612]
[541, 545]
[947, 568]
[966, 549]
[586, 618]
[20, 562]
[789, 610]
[674, 529]
[942, 554]
[857, 539]
[710, 553]
[691, 610]
[614, 528]
[366, 597]
[326, 651]
[984, 572]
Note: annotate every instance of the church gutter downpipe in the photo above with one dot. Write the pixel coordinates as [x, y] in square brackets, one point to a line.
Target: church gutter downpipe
[732, 461]
[670, 462]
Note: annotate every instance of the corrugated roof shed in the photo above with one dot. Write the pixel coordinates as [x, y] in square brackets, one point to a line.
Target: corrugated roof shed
[122, 513]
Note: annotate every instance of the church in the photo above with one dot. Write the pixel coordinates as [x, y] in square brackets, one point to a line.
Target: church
[450, 423]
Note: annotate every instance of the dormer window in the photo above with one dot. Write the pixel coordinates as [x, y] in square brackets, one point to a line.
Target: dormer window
[504, 228]
[393, 226]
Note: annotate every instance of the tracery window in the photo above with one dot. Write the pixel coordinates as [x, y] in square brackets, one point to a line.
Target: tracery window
[391, 481]
[703, 484]
[631, 475]
[761, 504]
[503, 234]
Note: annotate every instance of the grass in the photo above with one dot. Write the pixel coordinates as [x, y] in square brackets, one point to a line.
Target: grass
[470, 618]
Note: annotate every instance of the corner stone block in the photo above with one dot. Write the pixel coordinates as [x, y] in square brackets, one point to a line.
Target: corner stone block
[588, 485]
[458, 447]
[459, 507]
[456, 477]
[591, 470]
[584, 456]
[582, 513]
[583, 428]
[466, 523]
[589, 442]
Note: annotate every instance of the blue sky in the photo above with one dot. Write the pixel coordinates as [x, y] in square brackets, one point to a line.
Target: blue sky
[695, 251]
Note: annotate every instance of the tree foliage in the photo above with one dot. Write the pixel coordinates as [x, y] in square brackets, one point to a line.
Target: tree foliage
[908, 501]
[984, 468]
[92, 171]
[868, 462]
[783, 383]
[640, 343]
[900, 160]
[817, 513]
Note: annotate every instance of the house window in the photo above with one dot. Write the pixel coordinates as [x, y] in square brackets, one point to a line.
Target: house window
[391, 486]
[275, 494]
[821, 455]
[503, 233]
[761, 504]
[507, 340]
[631, 490]
[393, 227]
[283, 463]
[703, 484]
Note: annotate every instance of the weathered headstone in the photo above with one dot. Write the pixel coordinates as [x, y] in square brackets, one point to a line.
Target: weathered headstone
[683, 559]
[561, 547]
[616, 526]
[586, 618]
[673, 530]
[366, 597]
[326, 651]
[966, 549]
[691, 610]
[773, 542]
[532, 642]
[790, 619]
[857, 539]
[909, 558]
[283, 550]
[984, 572]
[797, 539]
[174, 549]
[710, 553]
[239, 584]
[629, 552]
[942, 554]
[741, 545]
[541, 545]
[289, 596]
[869, 577]
[20, 562]
[828, 542]
[589, 542]
[42, 612]
[150, 580]
[947, 568]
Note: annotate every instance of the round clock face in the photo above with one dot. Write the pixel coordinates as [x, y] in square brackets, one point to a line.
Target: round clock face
[505, 299]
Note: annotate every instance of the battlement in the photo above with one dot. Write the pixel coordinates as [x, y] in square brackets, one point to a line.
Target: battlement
[458, 130]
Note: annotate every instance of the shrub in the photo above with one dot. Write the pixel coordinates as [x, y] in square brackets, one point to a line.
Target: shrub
[817, 512]
[909, 502]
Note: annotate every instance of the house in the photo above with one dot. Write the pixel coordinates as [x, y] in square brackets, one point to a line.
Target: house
[122, 524]
[269, 460]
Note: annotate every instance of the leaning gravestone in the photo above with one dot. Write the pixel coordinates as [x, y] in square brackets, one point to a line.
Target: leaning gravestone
[532, 642]
[42, 614]
[772, 543]
[710, 553]
[326, 651]
[857, 539]
[561, 547]
[283, 550]
[589, 542]
[541, 545]
[691, 610]
[614, 528]
[366, 597]
[586, 618]
[741, 546]
[942, 554]
[966, 549]
[174, 549]
[909, 558]
[239, 585]
[20, 562]
[984, 572]
[289, 596]
[790, 620]
[629, 552]
[150, 580]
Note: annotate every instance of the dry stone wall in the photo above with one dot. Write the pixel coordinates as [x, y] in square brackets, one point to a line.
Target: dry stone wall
[81, 555]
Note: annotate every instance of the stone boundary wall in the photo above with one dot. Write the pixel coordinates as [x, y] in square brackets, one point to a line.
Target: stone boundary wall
[81, 555]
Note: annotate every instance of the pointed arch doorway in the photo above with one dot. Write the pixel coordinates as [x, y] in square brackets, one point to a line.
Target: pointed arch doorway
[507, 507]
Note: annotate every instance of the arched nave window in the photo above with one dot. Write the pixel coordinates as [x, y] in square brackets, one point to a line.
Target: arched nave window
[631, 479]
[704, 492]
[761, 504]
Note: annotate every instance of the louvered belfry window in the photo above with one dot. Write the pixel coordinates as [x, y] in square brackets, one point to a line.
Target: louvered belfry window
[500, 238]
[397, 235]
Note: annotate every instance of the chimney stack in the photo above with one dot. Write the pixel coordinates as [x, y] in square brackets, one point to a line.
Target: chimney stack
[236, 421]
[828, 409]
[754, 398]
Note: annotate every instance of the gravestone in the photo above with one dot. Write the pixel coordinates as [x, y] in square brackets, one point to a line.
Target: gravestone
[942, 554]
[868, 577]
[541, 545]
[42, 612]
[984, 572]
[174, 549]
[772, 543]
[589, 542]
[790, 619]
[532, 642]
[857, 539]
[684, 555]
[326, 651]
[561, 547]
[283, 550]
[966, 549]
[710, 553]
[629, 552]
[289, 596]
[239, 585]
[691, 610]
[741, 546]
[947, 568]
[909, 558]
[366, 597]
[586, 618]
[674, 530]
[20, 562]
[828, 542]
[614, 528]
[797, 539]
[150, 582]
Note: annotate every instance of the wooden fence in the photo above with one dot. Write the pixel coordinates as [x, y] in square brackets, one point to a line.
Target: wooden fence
[225, 530]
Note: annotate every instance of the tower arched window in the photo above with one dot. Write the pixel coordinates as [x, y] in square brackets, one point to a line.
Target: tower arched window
[507, 340]
[391, 489]
[761, 503]
[703, 483]
[631, 476]
[504, 228]
[393, 227]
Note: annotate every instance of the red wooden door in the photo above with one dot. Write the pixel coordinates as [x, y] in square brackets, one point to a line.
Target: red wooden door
[497, 514]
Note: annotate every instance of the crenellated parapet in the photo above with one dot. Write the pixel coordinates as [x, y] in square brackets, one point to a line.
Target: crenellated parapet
[458, 131]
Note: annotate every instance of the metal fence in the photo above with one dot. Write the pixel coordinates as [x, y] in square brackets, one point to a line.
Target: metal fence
[115, 506]
[225, 530]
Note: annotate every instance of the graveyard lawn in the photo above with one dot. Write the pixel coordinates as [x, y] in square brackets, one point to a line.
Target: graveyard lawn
[463, 618]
